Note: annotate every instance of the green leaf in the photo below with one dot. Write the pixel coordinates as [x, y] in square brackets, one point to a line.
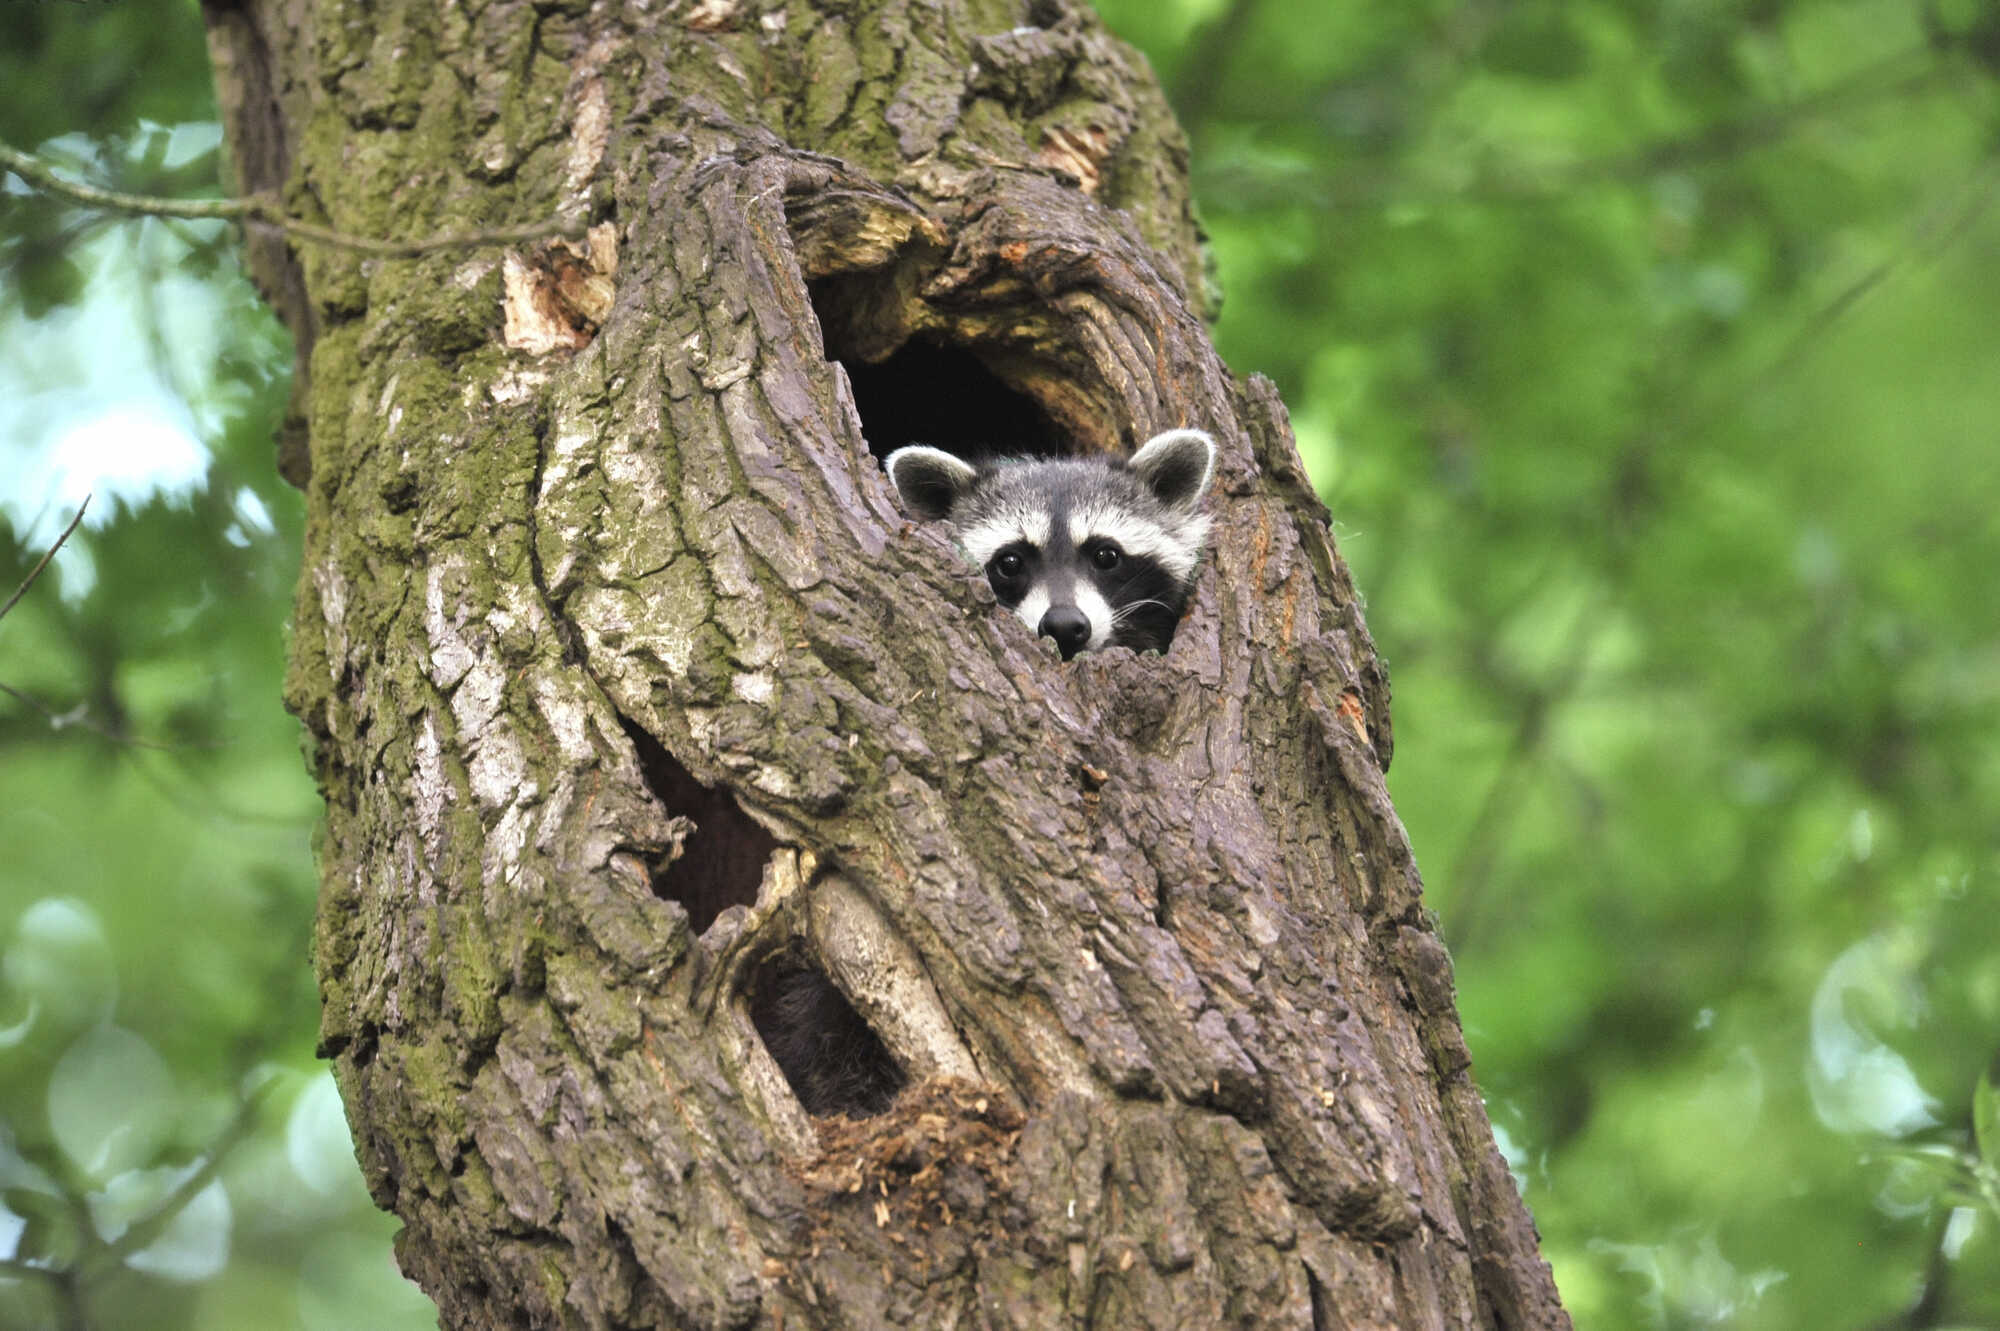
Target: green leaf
[52, 280]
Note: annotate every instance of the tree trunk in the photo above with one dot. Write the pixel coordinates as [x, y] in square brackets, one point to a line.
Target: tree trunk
[641, 713]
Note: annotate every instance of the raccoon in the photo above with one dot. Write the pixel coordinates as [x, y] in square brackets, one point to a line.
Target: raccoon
[1092, 552]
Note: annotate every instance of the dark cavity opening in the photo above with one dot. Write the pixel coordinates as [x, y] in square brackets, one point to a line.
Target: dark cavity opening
[833, 1061]
[925, 392]
[722, 861]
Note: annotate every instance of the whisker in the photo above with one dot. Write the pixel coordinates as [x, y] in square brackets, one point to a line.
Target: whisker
[1125, 612]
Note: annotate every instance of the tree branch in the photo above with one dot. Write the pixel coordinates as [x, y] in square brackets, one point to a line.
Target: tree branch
[16, 1269]
[76, 717]
[36, 571]
[1933, 233]
[1886, 77]
[150, 1226]
[1471, 871]
[259, 210]
[1528, 182]
[62, 1284]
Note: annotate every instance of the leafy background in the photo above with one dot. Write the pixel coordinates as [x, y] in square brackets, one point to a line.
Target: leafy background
[1648, 357]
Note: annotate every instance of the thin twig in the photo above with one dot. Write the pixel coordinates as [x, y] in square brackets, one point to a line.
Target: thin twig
[261, 210]
[210, 808]
[1930, 237]
[69, 1304]
[1883, 78]
[74, 717]
[462, 240]
[1932, 234]
[1536, 183]
[1471, 871]
[38, 173]
[36, 571]
[14, 1267]
[150, 1226]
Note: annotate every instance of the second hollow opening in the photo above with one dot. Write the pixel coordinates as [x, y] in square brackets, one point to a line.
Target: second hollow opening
[833, 1061]
[721, 863]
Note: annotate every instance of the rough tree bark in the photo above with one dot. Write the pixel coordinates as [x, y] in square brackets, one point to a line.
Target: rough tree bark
[633, 698]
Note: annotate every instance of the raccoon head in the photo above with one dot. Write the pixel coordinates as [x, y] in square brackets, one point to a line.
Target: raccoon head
[1088, 551]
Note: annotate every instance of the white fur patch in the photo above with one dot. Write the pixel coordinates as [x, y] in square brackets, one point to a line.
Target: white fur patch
[1137, 536]
[1098, 611]
[982, 540]
[1033, 606]
[961, 472]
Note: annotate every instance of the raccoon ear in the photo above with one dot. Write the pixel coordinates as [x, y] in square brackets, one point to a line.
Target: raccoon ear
[930, 481]
[1176, 466]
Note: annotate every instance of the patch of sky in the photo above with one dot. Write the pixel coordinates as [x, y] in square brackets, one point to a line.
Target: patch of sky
[110, 395]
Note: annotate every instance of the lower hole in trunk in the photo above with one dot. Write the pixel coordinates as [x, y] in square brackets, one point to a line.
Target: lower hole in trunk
[833, 1061]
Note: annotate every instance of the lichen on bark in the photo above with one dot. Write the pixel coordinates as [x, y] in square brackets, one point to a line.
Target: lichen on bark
[626, 683]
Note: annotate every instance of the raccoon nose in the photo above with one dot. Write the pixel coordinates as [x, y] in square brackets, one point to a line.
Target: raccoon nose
[1069, 627]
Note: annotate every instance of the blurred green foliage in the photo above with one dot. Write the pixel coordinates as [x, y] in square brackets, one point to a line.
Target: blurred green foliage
[1646, 355]
[171, 1155]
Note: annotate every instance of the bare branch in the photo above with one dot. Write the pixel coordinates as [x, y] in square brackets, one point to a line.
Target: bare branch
[259, 210]
[1471, 871]
[36, 571]
[150, 1226]
[1894, 75]
[62, 1284]
[75, 717]
[1932, 234]
[14, 1268]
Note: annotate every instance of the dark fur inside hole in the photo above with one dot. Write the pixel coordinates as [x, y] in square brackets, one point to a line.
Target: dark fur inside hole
[722, 862]
[833, 1061]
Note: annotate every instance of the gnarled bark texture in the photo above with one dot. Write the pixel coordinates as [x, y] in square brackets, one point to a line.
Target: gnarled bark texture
[637, 705]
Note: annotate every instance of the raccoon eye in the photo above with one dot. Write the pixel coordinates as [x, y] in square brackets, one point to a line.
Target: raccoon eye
[1106, 556]
[1008, 564]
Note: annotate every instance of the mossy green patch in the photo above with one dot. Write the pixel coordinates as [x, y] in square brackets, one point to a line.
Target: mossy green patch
[432, 1077]
[447, 303]
[710, 661]
[386, 87]
[836, 72]
[336, 366]
[605, 1021]
[473, 978]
